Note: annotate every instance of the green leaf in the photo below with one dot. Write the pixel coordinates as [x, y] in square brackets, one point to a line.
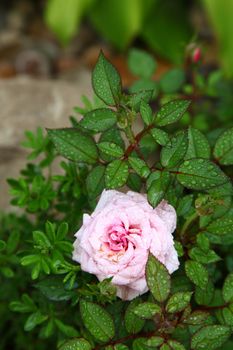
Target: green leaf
[2, 245]
[97, 320]
[204, 296]
[174, 151]
[133, 323]
[99, 120]
[200, 174]
[160, 136]
[198, 145]
[178, 301]
[139, 166]
[202, 256]
[221, 226]
[138, 97]
[157, 183]
[141, 63]
[158, 279]
[95, 181]
[227, 290]
[111, 149]
[116, 174]
[53, 289]
[69, 331]
[106, 81]
[175, 345]
[154, 341]
[223, 149]
[12, 241]
[147, 310]
[134, 182]
[76, 344]
[172, 81]
[210, 337]
[146, 113]
[110, 136]
[34, 320]
[196, 318]
[171, 112]
[197, 273]
[26, 305]
[74, 145]
[41, 240]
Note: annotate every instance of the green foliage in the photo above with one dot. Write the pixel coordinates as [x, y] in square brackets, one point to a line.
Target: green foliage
[46, 298]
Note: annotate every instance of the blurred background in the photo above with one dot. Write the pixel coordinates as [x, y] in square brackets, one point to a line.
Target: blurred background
[48, 48]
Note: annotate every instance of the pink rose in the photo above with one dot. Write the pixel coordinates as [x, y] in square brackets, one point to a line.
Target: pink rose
[116, 239]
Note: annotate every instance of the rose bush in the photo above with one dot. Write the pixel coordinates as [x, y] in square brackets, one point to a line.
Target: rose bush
[116, 239]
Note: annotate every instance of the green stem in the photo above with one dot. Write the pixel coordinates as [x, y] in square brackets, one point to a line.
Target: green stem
[187, 223]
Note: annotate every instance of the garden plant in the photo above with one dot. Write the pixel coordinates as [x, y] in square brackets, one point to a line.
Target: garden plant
[143, 179]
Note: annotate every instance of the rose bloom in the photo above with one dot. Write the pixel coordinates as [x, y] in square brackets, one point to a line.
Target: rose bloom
[115, 240]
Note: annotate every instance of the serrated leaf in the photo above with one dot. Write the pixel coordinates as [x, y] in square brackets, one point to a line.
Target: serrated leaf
[178, 301]
[110, 136]
[106, 81]
[158, 279]
[210, 337]
[157, 184]
[204, 257]
[99, 120]
[227, 290]
[160, 136]
[74, 145]
[174, 152]
[221, 226]
[200, 174]
[198, 145]
[223, 149]
[171, 112]
[76, 344]
[97, 320]
[147, 310]
[197, 273]
[138, 97]
[116, 174]
[111, 149]
[146, 113]
[95, 181]
[133, 323]
[139, 166]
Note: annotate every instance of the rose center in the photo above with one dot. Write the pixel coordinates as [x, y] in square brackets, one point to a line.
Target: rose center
[118, 236]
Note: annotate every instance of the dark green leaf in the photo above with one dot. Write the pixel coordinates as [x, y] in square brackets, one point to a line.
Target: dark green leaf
[95, 181]
[174, 152]
[146, 113]
[171, 112]
[99, 120]
[196, 318]
[223, 150]
[175, 345]
[53, 289]
[116, 174]
[141, 63]
[74, 145]
[178, 301]
[97, 320]
[111, 149]
[221, 226]
[227, 290]
[106, 81]
[133, 323]
[69, 331]
[2, 245]
[197, 273]
[202, 256]
[147, 310]
[76, 344]
[198, 145]
[134, 182]
[160, 136]
[200, 174]
[210, 337]
[139, 166]
[158, 279]
[172, 80]
[33, 320]
[158, 183]
[138, 97]
[204, 296]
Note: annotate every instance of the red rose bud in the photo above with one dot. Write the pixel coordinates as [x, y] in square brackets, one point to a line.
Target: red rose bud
[196, 56]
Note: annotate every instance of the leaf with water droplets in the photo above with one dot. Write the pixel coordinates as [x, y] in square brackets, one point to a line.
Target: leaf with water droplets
[138, 97]
[223, 150]
[133, 323]
[158, 279]
[204, 296]
[160, 136]
[221, 226]
[116, 174]
[197, 273]
[97, 320]
[106, 81]
[74, 145]
[139, 166]
[198, 145]
[200, 174]
[178, 301]
[98, 120]
[95, 181]
[76, 344]
[196, 318]
[111, 149]
[147, 310]
[210, 337]
[146, 113]
[227, 290]
[175, 345]
[174, 152]
[171, 112]
[157, 183]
